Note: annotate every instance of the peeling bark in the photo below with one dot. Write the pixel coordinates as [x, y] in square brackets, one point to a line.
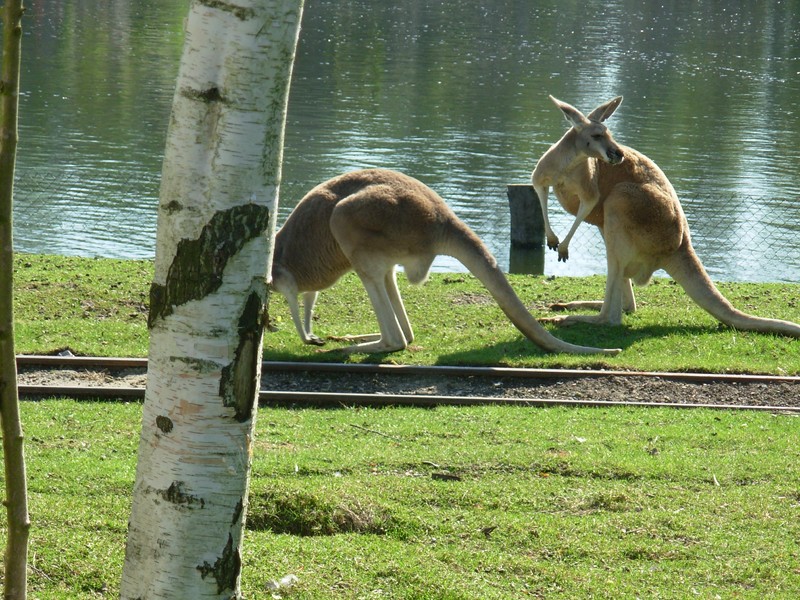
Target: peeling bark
[238, 383]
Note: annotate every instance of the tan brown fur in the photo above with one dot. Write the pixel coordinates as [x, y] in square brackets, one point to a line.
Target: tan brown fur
[371, 221]
[629, 198]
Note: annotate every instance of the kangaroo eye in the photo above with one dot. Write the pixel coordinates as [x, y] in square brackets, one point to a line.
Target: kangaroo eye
[597, 136]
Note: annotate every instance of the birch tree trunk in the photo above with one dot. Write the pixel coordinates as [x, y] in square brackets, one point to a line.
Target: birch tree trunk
[215, 234]
[16, 555]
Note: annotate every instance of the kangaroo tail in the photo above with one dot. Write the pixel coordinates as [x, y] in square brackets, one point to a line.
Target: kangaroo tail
[686, 269]
[474, 255]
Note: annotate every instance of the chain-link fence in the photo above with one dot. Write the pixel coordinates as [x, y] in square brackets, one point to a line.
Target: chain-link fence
[736, 238]
[68, 212]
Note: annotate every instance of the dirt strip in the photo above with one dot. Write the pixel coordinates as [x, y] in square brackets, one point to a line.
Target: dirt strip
[602, 388]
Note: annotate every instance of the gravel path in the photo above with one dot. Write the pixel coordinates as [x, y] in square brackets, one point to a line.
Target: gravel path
[606, 388]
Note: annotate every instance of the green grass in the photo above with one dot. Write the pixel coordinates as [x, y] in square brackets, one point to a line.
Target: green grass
[96, 307]
[457, 323]
[555, 503]
[99, 307]
[445, 503]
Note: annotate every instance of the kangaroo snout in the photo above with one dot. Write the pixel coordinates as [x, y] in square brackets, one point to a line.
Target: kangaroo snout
[615, 156]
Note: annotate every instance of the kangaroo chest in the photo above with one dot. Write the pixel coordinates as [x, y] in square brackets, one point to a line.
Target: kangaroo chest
[569, 190]
[568, 196]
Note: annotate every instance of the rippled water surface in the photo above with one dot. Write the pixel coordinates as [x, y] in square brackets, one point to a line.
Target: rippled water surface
[453, 92]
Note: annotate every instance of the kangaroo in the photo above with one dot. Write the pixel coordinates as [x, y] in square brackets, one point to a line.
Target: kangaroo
[370, 221]
[634, 205]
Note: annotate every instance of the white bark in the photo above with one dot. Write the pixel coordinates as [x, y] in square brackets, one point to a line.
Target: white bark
[218, 198]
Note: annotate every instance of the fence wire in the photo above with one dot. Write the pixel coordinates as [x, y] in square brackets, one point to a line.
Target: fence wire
[69, 211]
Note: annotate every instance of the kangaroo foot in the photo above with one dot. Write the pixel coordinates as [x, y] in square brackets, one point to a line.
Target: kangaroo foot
[366, 337]
[313, 340]
[560, 321]
[576, 305]
[572, 319]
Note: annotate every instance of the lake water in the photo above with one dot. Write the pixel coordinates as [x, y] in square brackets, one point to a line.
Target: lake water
[453, 92]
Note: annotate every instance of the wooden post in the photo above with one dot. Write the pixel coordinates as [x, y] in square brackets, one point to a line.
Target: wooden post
[526, 255]
[526, 261]
[527, 223]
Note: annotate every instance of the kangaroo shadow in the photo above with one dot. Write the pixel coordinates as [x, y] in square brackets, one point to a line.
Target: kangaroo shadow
[517, 349]
[620, 336]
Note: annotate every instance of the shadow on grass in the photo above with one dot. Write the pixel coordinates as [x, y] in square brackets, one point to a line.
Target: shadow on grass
[519, 349]
[584, 334]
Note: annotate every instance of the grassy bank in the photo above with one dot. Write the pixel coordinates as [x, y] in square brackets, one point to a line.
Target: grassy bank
[99, 307]
[453, 503]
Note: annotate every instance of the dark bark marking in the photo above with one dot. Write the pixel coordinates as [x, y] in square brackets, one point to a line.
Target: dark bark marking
[237, 512]
[210, 95]
[198, 365]
[238, 382]
[266, 321]
[226, 569]
[173, 207]
[176, 495]
[196, 270]
[158, 294]
[239, 12]
[164, 423]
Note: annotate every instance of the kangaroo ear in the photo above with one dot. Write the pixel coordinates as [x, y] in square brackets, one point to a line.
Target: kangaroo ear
[604, 111]
[571, 114]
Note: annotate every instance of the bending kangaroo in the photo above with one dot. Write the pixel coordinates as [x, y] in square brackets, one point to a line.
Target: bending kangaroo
[371, 221]
[634, 205]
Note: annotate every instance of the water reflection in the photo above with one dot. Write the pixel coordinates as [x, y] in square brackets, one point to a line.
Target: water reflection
[452, 92]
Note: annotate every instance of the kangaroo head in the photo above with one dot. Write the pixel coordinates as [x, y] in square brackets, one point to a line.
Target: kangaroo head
[593, 138]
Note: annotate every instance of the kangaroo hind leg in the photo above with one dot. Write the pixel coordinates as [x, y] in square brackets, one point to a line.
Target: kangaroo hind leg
[393, 323]
[628, 297]
[628, 301]
[619, 291]
[397, 304]
[309, 300]
[611, 306]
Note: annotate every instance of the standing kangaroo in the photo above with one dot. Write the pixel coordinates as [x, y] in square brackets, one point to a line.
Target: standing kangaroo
[371, 221]
[634, 205]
